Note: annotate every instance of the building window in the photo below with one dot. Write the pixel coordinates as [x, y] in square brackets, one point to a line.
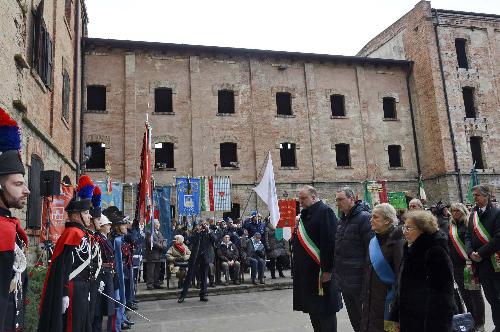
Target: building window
[163, 100]
[342, 154]
[42, 55]
[461, 53]
[164, 155]
[389, 105]
[96, 98]
[476, 148]
[228, 155]
[284, 103]
[338, 105]
[67, 10]
[97, 159]
[395, 156]
[34, 210]
[225, 101]
[65, 96]
[468, 95]
[287, 155]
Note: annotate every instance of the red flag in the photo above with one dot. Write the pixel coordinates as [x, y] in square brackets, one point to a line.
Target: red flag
[145, 190]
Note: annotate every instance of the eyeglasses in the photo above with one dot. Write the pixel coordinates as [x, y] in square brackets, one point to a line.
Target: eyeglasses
[407, 229]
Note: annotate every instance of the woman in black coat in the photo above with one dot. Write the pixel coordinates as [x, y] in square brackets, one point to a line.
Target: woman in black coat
[376, 290]
[424, 300]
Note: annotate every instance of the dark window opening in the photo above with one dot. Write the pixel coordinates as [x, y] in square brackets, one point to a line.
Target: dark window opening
[389, 105]
[234, 214]
[226, 101]
[342, 155]
[476, 148]
[96, 98]
[287, 155]
[163, 100]
[468, 95]
[337, 105]
[42, 55]
[34, 210]
[284, 103]
[461, 53]
[164, 155]
[97, 158]
[65, 96]
[228, 155]
[395, 156]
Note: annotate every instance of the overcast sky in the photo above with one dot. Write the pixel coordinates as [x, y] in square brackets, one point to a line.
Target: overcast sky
[315, 26]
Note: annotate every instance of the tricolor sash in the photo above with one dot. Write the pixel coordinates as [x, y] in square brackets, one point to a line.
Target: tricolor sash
[312, 250]
[470, 279]
[485, 237]
[383, 271]
[457, 242]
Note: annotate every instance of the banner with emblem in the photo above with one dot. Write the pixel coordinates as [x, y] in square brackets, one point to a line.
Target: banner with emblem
[222, 193]
[188, 196]
[375, 192]
[286, 223]
[113, 197]
[58, 216]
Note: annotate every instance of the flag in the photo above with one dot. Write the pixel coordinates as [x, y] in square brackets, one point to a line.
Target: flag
[222, 193]
[421, 191]
[266, 190]
[375, 192]
[397, 200]
[474, 181]
[188, 196]
[145, 196]
[287, 219]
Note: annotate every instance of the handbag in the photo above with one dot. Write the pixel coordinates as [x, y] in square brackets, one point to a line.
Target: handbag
[463, 323]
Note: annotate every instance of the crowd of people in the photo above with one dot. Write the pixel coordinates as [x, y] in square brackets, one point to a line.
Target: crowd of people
[396, 270]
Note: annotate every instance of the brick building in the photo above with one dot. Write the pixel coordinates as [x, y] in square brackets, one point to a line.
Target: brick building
[455, 92]
[327, 120]
[40, 66]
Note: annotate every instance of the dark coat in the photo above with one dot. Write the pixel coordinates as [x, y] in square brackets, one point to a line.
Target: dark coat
[274, 247]
[202, 247]
[424, 300]
[320, 223]
[351, 247]
[243, 249]
[228, 252]
[374, 290]
[155, 254]
[491, 221]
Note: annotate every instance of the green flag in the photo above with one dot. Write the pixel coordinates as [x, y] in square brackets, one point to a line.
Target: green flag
[421, 192]
[474, 181]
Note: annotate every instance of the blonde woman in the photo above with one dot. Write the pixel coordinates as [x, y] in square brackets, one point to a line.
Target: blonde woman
[424, 298]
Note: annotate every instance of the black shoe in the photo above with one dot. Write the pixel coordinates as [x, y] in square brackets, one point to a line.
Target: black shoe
[282, 275]
[158, 287]
[211, 285]
[128, 322]
[261, 281]
[133, 306]
[273, 277]
[237, 282]
[181, 299]
[125, 326]
[254, 282]
[150, 288]
[203, 299]
[135, 301]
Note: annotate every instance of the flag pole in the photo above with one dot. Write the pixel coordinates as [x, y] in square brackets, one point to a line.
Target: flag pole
[255, 183]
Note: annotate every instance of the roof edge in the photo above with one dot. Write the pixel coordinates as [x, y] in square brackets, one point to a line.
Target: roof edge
[465, 13]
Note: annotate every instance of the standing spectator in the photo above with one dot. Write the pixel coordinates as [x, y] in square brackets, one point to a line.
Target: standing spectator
[415, 204]
[473, 298]
[213, 269]
[313, 246]
[483, 247]
[253, 225]
[351, 246]
[243, 250]
[382, 268]
[443, 217]
[229, 256]
[275, 251]
[178, 256]
[424, 299]
[154, 255]
[257, 258]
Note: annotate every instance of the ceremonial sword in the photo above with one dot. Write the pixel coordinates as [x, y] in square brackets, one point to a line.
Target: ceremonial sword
[109, 297]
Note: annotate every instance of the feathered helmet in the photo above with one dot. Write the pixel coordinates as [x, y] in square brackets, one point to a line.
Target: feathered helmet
[84, 191]
[10, 146]
[95, 212]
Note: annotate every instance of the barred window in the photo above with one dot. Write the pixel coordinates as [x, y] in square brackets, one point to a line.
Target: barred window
[42, 55]
[65, 96]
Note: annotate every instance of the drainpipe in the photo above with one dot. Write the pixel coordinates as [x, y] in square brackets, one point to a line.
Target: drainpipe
[76, 149]
[452, 135]
[412, 115]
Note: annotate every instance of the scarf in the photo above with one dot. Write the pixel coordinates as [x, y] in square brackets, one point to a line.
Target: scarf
[180, 247]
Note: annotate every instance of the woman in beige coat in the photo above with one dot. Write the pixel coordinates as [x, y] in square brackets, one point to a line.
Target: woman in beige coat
[178, 256]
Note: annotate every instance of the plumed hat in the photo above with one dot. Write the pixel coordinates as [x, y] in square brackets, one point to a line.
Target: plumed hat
[76, 205]
[10, 146]
[95, 211]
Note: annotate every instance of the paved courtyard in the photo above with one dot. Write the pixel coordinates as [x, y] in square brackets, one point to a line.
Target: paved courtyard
[256, 312]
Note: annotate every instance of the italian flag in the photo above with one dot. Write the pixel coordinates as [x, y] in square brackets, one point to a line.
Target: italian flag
[207, 193]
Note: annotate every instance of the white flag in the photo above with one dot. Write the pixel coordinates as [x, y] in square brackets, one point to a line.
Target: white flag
[267, 192]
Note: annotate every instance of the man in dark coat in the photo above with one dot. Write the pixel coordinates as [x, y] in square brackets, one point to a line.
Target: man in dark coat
[483, 253]
[13, 195]
[65, 300]
[351, 247]
[202, 241]
[316, 232]
[229, 257]
[154, 255]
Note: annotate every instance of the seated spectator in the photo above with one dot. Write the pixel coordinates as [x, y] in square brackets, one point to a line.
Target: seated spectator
[229, 256]
[275, 251]
[256, 257]
[154, 256]
[178, 256]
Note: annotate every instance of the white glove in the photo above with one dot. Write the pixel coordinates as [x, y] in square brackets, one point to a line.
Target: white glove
[101, 286]
[65, 304]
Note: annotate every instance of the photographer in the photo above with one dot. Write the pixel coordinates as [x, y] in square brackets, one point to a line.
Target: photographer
[443, 216]
[202, 241]
[257, 258]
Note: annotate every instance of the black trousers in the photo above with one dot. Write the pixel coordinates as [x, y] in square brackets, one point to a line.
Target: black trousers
[491, 288]
[276, 263]
[153, 275]
[199, 268]
[78, 314]
[352, 300]
[324, 323]
[473, 299]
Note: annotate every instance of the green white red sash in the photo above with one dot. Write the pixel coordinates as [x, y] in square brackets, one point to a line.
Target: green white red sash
[312, 250]
[485, 237]
[457, 242]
